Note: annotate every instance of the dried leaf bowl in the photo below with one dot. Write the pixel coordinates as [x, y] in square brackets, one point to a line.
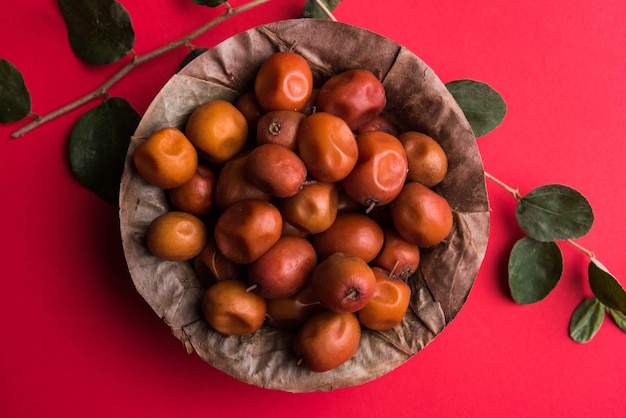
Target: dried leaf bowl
[418, 100]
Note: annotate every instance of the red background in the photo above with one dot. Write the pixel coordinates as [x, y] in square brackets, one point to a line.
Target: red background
[77, 340]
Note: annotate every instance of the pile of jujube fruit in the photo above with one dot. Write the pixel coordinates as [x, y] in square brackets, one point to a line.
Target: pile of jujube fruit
[301, 208]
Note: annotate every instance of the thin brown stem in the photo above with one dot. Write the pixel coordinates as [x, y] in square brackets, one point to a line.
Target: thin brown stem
[576, 245]
[136, 61]
[328, 13]
[516, 194]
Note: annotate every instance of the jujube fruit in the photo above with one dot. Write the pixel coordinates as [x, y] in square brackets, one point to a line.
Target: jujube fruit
[380, 171]
[218, 130]
[176, 236]
[283, 82]
[343, 282]
[250, 109]
[211, 266]
[379, 123]
[428, 163]
[388, 305]
[276, 170]
[327, 340]
[421, 216]
[231, 310]
[284, 269]
[398, 256]
[352, 233]
[327, 146]
[279, 127]
[292, 311]
[313, 209]
[356, 96]
[247, 229]
[196, 195]
[166, 158]
[233, 184]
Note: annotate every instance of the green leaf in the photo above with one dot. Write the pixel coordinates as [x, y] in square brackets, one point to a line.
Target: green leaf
[98, 145]
[586, 320]
[210, 3]
[554, 212]
[14, 96]
[534, 270]
[99, 31]
[192, 55]
[483, 107]
[313, 10]
[619, 318]
[605, 287]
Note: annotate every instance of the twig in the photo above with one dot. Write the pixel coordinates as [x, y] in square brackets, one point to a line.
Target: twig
[136, 61]
[516, 194]
[328, 13]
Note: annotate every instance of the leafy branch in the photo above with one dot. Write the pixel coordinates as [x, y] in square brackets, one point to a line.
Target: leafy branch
[547, 214]
[136, 61]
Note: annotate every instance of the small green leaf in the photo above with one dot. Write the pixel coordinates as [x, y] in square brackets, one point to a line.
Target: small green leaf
[192, 55]
[14, 96]
[605, 287]
[99, 31]
[534, 270]
[98, 145]
[554, 212]
[586, 320]
[313, 10]
[483, 107]
[210, 3]
[619, 318]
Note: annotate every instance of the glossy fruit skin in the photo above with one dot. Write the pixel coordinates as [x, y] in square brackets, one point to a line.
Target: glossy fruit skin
[421, 216]
[284, 269]
[166, 158]
[356, 96]
[327, 340]
[398, 256]
[211, 266]
[352, 233]
[196, 196]
[327, 146]
[247, 229]
[233, 184]
[380, 171]
[313, 209]
[176, 236]
[218, 130]
[428, 163]
[276, 170]
[291, 312]
[389, 304]
[231, 310]
[284, 82]
[343, 283]
[279, 127]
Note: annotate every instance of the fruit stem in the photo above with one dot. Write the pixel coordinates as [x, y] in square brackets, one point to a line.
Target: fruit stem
[352, 294]
[252, 287]
[136, 61]
[516, 194]
[393, 270]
